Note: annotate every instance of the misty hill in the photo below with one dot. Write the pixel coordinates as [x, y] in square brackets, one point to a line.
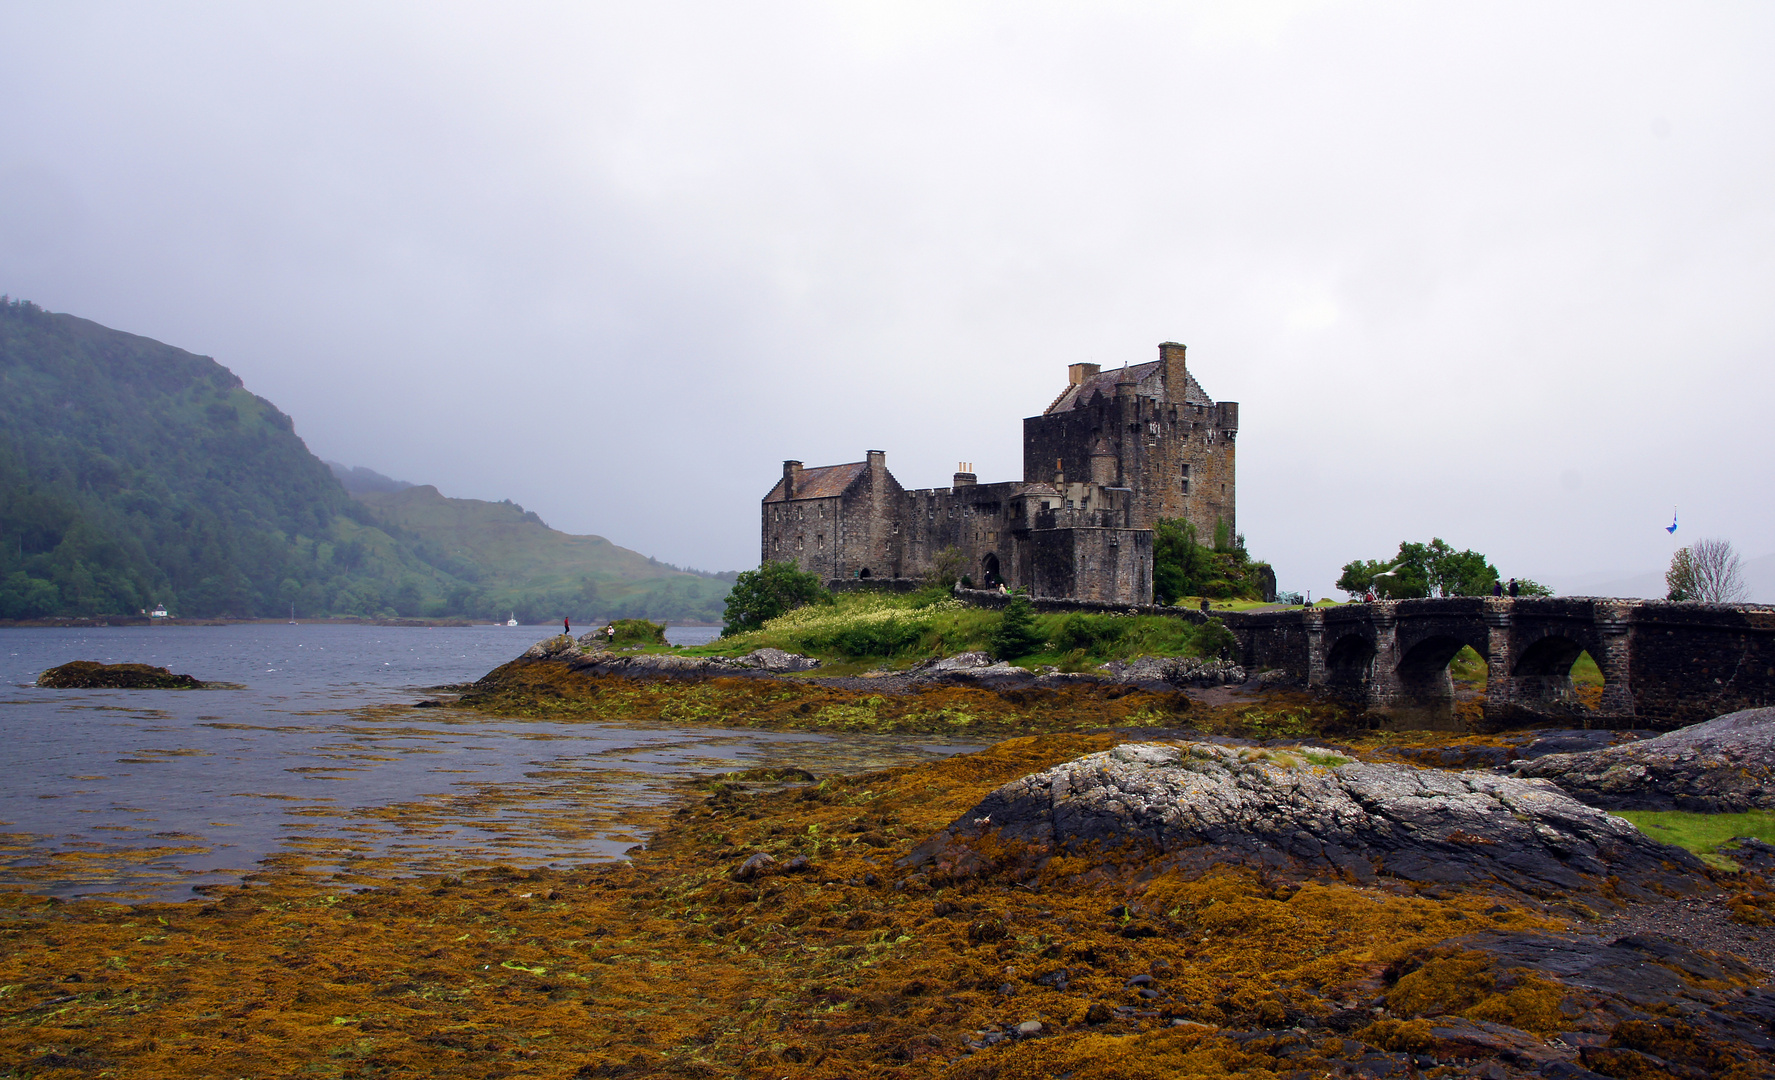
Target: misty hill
[516, 562]
[134, 473]
[360, 479]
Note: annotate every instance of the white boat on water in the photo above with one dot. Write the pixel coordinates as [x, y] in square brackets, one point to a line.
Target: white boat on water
[513, 620]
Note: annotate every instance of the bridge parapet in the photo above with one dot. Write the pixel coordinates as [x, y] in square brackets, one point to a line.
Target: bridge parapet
[1663, 664]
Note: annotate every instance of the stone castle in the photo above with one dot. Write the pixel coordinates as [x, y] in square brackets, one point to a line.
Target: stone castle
[1116, 451]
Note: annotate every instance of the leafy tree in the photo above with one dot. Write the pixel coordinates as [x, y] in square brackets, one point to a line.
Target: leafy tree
[760, 595]
[1709, 572]
[1016, 634]
[1359, 574]
[947, 568]
[1182, 566]
[1419, 570]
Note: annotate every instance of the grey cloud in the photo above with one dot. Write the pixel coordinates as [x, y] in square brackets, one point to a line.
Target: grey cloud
[616, 262]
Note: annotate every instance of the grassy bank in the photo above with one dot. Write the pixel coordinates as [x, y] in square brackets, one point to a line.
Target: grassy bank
[1707, 835]
[553, 692]
[902, 628]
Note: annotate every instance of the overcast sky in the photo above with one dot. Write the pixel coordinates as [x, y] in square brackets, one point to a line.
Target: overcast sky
[1503, 274]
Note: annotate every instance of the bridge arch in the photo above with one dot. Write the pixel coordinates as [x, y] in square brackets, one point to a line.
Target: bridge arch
[989, 572]
[1349, 661]
[1541, 676]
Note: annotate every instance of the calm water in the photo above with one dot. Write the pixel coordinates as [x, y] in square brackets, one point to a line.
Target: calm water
[319, 763]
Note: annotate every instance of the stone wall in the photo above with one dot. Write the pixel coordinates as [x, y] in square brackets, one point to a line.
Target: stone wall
[1664, 665]
[1692, 662]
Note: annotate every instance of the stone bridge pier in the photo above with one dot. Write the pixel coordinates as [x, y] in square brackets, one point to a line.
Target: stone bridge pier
[1663, 664]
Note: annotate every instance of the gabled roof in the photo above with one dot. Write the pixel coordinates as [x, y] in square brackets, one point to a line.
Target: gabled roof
[1147, 383]
[824, 482]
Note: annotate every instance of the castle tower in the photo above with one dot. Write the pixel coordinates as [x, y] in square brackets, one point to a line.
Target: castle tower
[1173, 445]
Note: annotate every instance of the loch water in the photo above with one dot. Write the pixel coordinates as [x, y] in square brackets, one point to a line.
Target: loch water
[313, 757]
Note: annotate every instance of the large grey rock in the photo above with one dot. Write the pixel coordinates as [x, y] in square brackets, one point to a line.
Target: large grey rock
[1726, 764]
[594, 658]
[777, 660]
[1213, 803]
[1176, 671]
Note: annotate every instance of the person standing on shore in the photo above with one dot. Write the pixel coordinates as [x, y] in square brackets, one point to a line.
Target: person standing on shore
[566, 627]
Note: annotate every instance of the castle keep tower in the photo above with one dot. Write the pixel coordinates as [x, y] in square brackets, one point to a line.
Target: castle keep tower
[1115, 452]
[1169, 443]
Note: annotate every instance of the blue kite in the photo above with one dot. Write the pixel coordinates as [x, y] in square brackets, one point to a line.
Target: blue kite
[1671, 528]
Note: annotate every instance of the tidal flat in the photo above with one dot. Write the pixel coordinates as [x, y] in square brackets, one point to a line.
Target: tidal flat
[830, 960]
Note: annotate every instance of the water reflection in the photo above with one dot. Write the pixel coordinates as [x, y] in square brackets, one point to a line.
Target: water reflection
[318, 761]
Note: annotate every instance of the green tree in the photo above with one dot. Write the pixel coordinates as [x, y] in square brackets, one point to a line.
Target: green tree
[1420, 570]
[1679, 580]
[1181, 567]
[1709, 572]
[771, 590]
[1359, 574]
[1016, 634]
[947, 567]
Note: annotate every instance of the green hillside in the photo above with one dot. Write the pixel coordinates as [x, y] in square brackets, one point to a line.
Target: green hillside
[509, 560]
[133, 473]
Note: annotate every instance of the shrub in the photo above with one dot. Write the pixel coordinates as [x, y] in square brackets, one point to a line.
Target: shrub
[1091, 633]
[637, 632]
[1016, 635]
[768, 592]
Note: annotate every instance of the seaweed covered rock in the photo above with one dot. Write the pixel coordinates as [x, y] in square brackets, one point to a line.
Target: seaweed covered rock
[92, 675]
[1157, 672]
[1726, 764]
[1312, 809]
[590, 654]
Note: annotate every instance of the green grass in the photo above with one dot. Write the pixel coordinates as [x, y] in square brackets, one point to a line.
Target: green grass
[1703, 834]
[901, 629]
[1469, 666]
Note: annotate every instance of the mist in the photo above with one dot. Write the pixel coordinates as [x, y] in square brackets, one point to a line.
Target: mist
[1496, 274]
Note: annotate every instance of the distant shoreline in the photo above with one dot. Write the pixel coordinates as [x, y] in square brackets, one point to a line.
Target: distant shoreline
[98, 622]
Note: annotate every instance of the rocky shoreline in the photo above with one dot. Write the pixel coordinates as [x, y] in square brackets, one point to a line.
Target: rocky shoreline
[588, 655]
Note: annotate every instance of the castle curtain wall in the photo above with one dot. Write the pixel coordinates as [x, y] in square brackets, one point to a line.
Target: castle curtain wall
[1109, 565]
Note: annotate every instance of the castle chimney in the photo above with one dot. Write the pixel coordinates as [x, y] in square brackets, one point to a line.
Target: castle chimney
[1078, 373]
[964, 474]
[791, 474]
[877, 460]
[1173, 371]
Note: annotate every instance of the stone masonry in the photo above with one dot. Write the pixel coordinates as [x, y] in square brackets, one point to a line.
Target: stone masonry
[1115, 452]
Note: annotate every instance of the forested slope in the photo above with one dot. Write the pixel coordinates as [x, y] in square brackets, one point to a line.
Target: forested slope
[133, 473]
[515, 562]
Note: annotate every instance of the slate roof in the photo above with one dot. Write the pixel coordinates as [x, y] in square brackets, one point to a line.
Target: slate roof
[824, 482]
[1146, 378]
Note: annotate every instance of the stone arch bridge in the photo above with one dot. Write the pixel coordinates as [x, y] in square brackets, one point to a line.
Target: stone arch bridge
[1664, 664]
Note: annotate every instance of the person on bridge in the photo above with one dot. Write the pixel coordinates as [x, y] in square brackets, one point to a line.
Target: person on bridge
[1512, 586]
[1497, 588]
